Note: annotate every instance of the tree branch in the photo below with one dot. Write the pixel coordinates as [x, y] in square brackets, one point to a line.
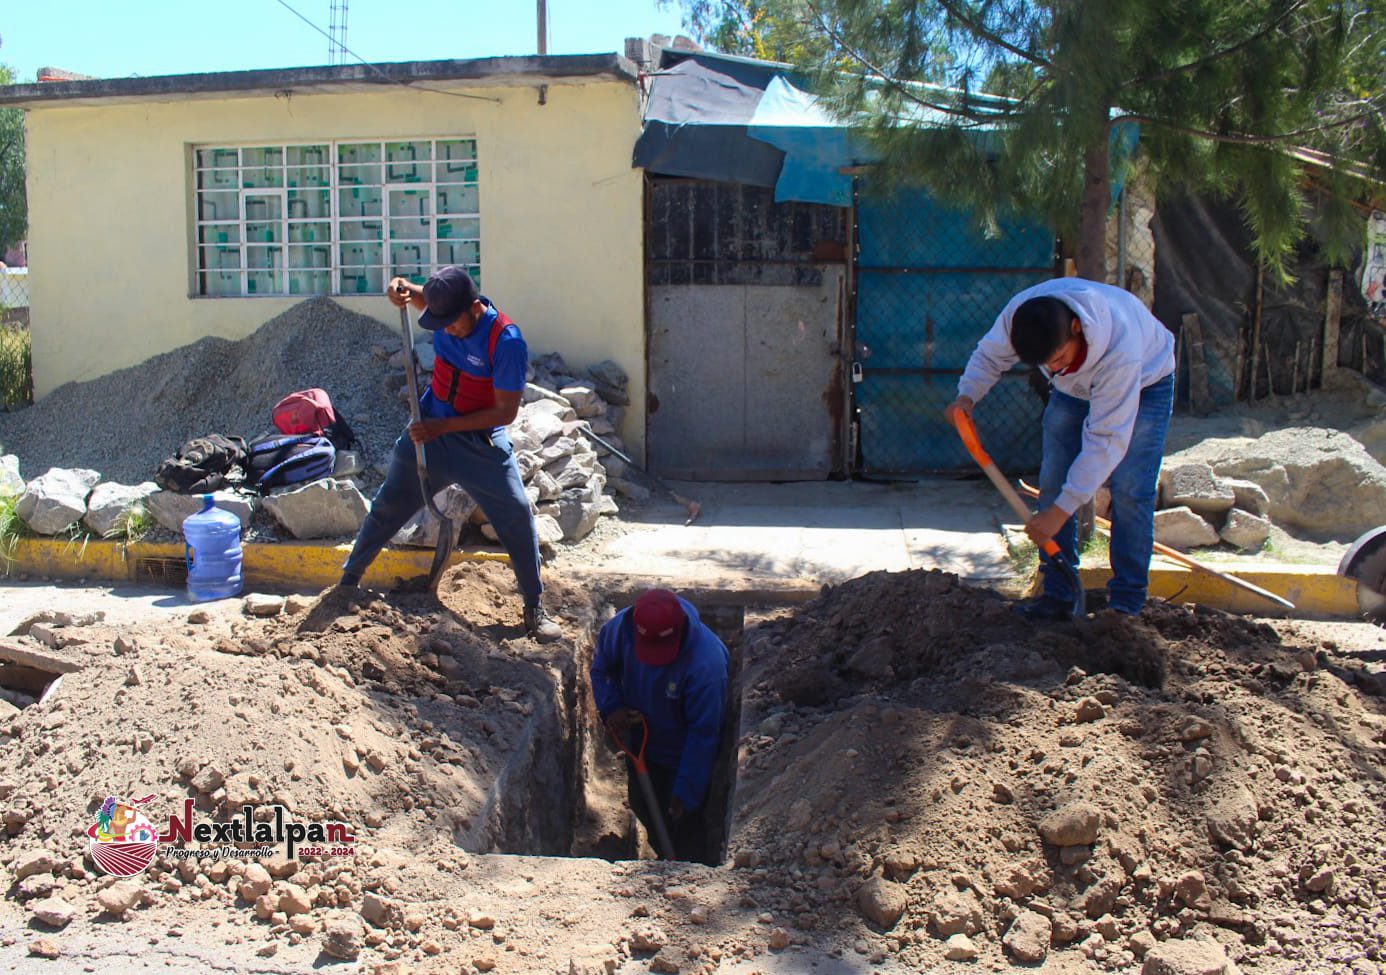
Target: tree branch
[1241, 138]
[990, 36]
[1218, 55]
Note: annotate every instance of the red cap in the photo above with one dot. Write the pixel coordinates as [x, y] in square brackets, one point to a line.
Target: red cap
[658, 618]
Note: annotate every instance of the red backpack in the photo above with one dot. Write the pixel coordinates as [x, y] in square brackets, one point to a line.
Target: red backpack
[309, 411]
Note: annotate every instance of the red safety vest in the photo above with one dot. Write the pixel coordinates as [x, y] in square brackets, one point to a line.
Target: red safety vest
[463, 392]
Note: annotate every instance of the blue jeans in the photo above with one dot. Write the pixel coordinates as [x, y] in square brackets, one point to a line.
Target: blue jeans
[484, 466]
[1133, 484]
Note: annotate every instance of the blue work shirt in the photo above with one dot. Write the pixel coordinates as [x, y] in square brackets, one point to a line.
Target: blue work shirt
[683, 701]
[472, 355]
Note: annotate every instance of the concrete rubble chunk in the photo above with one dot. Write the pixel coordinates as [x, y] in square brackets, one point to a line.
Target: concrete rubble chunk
[1244, 530]
[342, 937]
[35, 862]
[585, 400]
[27, 656]
[325, 508]
[263, 604]
[121, 897]
[1187, 958]
[1183, 528]
[56, 500]
[1249, 496]
[109, 502]
[1194, 486]
[170, 509]
[422, 530]
[53, 911]
[11, 484]
[1317, 480]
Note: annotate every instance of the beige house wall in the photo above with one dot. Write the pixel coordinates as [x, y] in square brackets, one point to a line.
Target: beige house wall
[111, 217]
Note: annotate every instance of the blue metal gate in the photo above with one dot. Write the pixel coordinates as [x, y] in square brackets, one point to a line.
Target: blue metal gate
[928, 286]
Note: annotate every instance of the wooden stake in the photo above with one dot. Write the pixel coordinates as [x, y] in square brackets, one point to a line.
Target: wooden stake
[1332, 317]
[1256, 344]
[1294, 371]
[1270, 383]
[1309, 366]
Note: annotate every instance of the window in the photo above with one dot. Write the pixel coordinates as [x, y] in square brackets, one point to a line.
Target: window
[337, 218]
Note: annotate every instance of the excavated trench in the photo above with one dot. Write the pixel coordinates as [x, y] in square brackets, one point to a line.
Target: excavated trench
[562, 791]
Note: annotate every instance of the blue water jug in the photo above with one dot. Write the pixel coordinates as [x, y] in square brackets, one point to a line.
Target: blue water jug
[213, 550]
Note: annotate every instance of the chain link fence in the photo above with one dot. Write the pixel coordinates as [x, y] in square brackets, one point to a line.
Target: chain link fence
[16, 366]
[928, 285]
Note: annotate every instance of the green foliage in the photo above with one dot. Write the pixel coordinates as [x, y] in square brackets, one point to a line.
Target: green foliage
[772, 30]
[16, 367]
[11, 527]
[133, 525]
[14, 207]
[1221, 93]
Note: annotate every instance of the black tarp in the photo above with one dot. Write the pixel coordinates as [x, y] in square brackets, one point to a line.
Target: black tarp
[1204, 264]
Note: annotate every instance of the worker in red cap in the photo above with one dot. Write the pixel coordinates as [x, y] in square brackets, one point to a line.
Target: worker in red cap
[656, 659]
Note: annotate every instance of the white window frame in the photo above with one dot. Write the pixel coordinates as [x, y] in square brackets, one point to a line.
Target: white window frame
[333, 219]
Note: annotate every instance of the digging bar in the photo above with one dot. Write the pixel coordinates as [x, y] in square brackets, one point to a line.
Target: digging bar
[693, 507]
[642, 775]
[1177, 556]
[447, 531]
[970, 440]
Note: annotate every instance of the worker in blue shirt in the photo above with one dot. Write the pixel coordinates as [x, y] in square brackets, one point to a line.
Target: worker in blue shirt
[658, 660]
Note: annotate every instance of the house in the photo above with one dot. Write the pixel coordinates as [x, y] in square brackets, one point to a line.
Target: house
[166, 209]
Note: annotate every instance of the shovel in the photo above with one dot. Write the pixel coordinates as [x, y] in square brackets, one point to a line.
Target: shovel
[447, 532]
[968, 433]
[642, 775]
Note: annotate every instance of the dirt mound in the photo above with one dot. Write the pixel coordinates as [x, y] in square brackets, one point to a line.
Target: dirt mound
[920, 753]
[124, 423]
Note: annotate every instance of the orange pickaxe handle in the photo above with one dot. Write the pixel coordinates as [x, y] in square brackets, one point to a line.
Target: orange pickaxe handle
[968, 432]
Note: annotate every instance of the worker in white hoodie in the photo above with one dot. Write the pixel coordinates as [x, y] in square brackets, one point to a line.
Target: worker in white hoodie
[1110, 365]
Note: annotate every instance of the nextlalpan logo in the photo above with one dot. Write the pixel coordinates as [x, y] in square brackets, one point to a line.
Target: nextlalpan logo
[124, 841]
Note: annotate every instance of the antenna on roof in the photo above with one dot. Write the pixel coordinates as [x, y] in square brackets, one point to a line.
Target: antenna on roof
[336, 32]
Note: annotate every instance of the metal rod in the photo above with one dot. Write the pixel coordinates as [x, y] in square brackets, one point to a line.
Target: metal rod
[543, 27]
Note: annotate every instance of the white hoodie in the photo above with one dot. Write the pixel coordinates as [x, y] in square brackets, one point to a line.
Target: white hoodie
[1128, 349]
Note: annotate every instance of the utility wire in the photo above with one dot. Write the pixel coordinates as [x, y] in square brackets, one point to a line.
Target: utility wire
[396, 81]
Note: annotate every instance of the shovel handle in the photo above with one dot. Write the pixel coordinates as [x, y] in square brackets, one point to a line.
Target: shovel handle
[967, 431]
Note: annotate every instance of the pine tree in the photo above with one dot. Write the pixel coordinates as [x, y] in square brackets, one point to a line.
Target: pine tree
[14, 210]
[1222, 94]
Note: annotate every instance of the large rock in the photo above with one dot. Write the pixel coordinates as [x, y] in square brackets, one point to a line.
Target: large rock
[1318, 481]
[109, 502]
[1028, 936]
[54, 912]
[577, 515]
[882, 902]
[536, 425]
[1187, 958]
[1244, 530]
[1183, 529]
[1235, 820]
[169, 509]
[1074, 824]
[11, 484]
[548, 529]
[956, 912]
[326, 508]
[422, 529]
[57, 499]
[1195, 486]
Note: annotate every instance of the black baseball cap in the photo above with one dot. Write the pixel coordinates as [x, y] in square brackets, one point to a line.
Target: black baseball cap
[449, 291]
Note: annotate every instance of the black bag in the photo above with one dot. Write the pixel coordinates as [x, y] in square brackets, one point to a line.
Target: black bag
[203, 465]
[278, 461]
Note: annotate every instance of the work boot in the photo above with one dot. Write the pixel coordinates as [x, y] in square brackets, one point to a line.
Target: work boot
[1045, 609]
[540, 625]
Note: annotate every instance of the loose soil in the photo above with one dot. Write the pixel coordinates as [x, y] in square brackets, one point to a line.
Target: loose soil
[903, 738]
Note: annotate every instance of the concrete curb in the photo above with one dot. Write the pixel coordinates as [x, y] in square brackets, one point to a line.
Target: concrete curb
[1316, 590]
[276, 565]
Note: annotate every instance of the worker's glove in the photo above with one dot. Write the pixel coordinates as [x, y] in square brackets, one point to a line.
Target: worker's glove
[622, 720]
[676, 809]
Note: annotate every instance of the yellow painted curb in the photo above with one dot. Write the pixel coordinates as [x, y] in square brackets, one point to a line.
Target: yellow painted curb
[1316, 590]
[273, 565]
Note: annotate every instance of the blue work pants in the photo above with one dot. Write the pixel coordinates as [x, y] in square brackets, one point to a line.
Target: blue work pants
[483, 464]
[1133, 485]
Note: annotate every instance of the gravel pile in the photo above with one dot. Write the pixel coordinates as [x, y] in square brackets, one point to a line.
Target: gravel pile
[124, 423]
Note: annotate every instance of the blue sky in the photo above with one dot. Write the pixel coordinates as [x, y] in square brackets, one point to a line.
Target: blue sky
[151, 37]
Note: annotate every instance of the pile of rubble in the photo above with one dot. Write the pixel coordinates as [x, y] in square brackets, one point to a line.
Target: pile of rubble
[563, 438]
[1199, 509]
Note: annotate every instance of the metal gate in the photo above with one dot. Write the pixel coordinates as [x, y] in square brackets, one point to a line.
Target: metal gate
[927, 287]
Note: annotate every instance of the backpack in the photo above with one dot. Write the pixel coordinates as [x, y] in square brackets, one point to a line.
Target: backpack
[202, 465]
[273, 462]
[309, 411]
